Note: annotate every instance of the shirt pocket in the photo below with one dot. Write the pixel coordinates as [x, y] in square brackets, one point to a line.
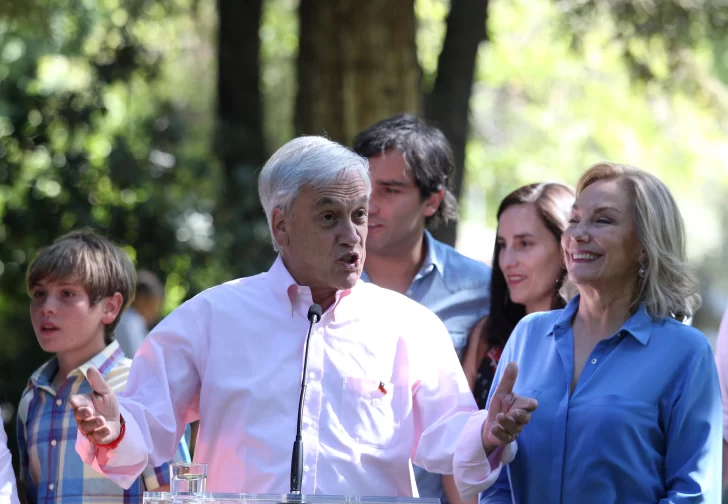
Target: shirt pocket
[625, 422]
[626, 407]
[368, 414]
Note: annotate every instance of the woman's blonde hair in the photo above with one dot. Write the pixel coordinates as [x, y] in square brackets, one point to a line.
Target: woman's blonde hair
[667, 287]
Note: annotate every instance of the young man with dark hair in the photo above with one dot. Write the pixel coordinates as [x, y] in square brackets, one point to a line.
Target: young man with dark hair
[410, 163]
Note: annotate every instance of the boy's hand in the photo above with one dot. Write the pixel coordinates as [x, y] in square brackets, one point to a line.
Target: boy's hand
[97, 413]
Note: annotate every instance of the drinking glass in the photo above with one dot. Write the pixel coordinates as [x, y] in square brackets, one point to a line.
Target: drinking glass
[187, 477]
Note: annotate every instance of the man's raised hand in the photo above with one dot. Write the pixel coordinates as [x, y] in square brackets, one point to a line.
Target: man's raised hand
[97, 413]
[507, 413]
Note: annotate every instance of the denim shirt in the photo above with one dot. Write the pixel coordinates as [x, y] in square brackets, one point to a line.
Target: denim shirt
[456, 289]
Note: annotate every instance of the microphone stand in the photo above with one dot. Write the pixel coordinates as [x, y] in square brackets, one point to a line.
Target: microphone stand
[314, 315]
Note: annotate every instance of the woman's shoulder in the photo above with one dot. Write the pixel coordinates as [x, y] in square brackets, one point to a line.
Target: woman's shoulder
[532, 332]
[539, 320]
[680, 336]
[545, 319]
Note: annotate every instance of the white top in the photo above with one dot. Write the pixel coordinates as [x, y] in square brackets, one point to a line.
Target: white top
[721, 361]
[8, 491]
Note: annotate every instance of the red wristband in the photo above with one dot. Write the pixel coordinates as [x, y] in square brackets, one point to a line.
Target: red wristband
[115, 443]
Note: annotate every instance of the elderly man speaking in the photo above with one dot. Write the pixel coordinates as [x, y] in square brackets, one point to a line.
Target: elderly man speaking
[384, 384]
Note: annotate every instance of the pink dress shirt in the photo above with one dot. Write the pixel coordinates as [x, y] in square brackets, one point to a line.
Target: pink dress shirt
[232, 357]
[721, 361]
[8, 491]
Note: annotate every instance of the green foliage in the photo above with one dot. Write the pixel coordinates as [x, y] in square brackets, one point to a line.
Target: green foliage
[542, 111]
[278, 51]
[89, 137]
[107, 112]
[667, 41]
[431, 15]
[101, 125]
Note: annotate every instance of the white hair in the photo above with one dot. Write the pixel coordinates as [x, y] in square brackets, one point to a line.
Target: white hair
[311, 161]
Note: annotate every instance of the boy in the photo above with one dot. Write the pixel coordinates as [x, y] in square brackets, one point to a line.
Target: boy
[78, 286]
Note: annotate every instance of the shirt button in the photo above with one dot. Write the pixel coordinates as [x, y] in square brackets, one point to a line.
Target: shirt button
[59, 402]
[312, 375]
[53, 442]
[594, 361]
[51, 486]
[305, 468]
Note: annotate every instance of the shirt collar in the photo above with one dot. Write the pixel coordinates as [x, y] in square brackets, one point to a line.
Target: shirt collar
[433, 259]
[292, 296]
[639, 325]
[104, 361]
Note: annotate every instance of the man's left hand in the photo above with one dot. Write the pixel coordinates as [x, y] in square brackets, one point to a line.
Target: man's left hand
[508, 413]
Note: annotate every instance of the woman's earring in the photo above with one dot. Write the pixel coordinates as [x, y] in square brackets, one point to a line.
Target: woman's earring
[641, 271]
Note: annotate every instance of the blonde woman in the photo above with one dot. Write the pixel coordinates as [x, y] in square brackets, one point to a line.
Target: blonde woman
[628, 397]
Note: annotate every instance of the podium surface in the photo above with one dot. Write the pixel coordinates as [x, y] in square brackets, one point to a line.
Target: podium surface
[231, 498]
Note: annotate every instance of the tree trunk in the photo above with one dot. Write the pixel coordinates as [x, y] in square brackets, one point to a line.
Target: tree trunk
[239, 139]
[448, 104]
[357, 64]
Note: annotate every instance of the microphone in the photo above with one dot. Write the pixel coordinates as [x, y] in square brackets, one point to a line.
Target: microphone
[314, 315]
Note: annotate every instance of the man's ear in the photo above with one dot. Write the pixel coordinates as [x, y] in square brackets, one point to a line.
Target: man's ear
[432, 203]
[279, 227]
[110, 307]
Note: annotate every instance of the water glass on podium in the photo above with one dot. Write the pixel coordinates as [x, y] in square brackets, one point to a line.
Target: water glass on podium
[187, 478]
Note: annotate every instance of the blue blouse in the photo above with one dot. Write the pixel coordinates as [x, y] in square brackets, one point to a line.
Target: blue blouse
[643, 424]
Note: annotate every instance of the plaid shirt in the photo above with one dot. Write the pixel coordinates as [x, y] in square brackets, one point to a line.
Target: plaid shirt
[50, 467]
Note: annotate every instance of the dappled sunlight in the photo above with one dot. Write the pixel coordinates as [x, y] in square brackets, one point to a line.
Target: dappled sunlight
[544, 112]
[110, 117]
[60, 74]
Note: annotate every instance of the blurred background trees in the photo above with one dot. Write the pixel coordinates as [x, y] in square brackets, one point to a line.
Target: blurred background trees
[149, 119]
